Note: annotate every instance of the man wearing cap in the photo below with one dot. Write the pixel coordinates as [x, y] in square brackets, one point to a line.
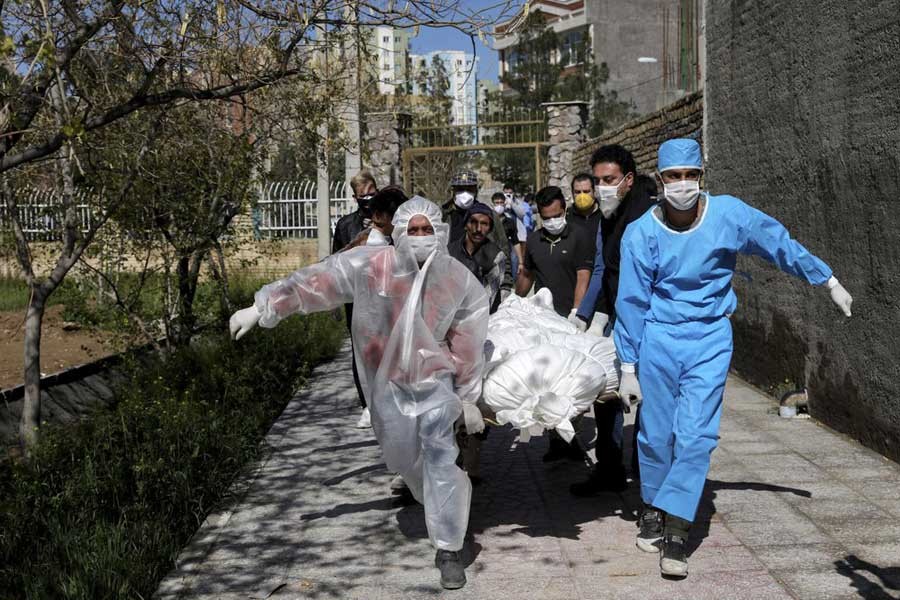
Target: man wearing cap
[673, 334]
[481, 256]
[464, 185]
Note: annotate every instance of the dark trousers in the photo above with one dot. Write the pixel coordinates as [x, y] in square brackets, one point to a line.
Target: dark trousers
[348, 309]
[610, 420]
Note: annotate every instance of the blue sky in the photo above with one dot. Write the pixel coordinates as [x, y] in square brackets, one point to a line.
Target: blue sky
[430, 39]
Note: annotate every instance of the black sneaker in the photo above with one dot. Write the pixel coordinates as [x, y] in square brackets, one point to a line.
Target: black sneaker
[453, 574]
[651, 531]
[600, 482]
[673, 558]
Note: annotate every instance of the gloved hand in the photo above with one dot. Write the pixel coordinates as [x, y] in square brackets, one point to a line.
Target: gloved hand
[575, 320]
[243, 321]
[629, 387]
[840, 296]
[472, 419]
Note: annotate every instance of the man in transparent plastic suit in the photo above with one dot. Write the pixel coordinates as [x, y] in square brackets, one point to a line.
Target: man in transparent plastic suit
[419, 325]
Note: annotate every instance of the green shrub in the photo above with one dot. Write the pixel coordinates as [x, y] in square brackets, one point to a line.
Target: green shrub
[104, 508]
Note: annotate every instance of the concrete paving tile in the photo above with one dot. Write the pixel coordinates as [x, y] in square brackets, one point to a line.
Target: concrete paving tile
[798, 531]
[748, 585]
[803, 557]
[853, 474]
[826, 585]
[831, 510]
[770, 509]
[879, 559]
[754, 447]
[865, 530]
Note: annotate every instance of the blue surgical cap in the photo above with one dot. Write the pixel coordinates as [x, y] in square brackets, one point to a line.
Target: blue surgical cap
[680, 153]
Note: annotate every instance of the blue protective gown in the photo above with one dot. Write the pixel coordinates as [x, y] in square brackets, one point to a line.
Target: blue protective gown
[674, 301]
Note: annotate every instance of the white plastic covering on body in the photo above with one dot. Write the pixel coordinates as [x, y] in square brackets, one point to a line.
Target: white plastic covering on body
[542, 371]
[419, 334]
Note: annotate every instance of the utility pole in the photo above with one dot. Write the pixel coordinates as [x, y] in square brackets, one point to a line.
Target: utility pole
[352, 53]
[323, 196]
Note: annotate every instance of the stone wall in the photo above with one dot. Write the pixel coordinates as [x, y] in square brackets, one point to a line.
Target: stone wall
[803, 122]
[566, 132]
[683, 118]
[388, 135]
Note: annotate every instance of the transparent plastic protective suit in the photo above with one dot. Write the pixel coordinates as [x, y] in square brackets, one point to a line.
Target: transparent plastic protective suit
[543, 371]
[419, 334]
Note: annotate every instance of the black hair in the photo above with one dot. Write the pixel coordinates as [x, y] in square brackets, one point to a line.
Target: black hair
[388, 199]
[498, 196]
[582, 177]
[548, 195]
[508, 186]
[614, 153]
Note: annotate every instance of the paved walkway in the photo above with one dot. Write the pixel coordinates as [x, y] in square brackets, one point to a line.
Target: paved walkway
[792, 510]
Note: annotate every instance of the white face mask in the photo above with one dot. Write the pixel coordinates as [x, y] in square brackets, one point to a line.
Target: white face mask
[464, 199]
[682, 195]
[376, 238]
[608, 197]
[500, 209]
[422, 246]
[554, 226]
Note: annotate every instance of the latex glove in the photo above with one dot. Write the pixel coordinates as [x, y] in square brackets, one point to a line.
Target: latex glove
[575, 320]
[840, 296]
[472, 418]
[629, 387]
[243, 321]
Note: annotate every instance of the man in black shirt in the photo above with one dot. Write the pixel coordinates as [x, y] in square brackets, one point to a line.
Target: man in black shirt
[481, 256]
[557, 256]
[623, 196]
[346, 230]
[585, 212]
[348, 227]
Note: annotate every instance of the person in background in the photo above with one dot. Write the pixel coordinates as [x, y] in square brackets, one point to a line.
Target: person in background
[622, 196]
[515, 231]
[673, 333]
[487, 262]
[384, 204]
[464, 186]
[559, 258]
[585, 212]
[348, 228]
[520, 207]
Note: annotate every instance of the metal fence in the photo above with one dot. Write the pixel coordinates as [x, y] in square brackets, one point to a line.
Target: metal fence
[41, 215]
[287, 209]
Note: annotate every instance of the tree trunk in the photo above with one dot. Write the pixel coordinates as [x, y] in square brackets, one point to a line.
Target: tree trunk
[29, 427]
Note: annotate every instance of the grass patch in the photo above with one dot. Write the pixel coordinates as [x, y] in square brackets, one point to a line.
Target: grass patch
[104, 508]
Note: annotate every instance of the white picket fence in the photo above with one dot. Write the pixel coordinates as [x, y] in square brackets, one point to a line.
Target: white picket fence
[285, 209]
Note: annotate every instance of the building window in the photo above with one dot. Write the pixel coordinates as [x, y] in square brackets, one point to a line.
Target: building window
[386, 39]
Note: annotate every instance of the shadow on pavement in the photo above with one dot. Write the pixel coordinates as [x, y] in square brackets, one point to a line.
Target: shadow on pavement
[853, 568]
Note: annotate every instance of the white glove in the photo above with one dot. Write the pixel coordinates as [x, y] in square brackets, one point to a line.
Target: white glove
[575, 320]
[840, 296]
[472, 418]
[243, 321]
[629, 387]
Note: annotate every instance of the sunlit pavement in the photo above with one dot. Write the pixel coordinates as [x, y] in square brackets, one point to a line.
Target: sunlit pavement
[791, 510]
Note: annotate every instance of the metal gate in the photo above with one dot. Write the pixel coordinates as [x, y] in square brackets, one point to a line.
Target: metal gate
[436, 151]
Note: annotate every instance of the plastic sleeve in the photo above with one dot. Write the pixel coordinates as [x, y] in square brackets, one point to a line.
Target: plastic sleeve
[465, 339]
[319, 287]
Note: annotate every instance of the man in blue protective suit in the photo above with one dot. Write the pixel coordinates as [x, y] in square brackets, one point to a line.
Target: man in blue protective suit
[673, 333]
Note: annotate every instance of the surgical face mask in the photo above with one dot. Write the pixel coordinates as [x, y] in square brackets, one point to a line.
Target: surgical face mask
[583, 201]
[554, 226]
[500, 209]
[508, 196]
[608, 196]
[682, 195]
[464, 199]
[422, 246]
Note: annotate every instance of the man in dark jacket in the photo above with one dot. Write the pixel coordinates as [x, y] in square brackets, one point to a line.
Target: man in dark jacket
[347, 229]
[464, 185]
[349, 226]
[489, 263]
[623, 196]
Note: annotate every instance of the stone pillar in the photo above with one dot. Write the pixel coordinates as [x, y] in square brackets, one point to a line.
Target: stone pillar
[387, 137]
[566, 132]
